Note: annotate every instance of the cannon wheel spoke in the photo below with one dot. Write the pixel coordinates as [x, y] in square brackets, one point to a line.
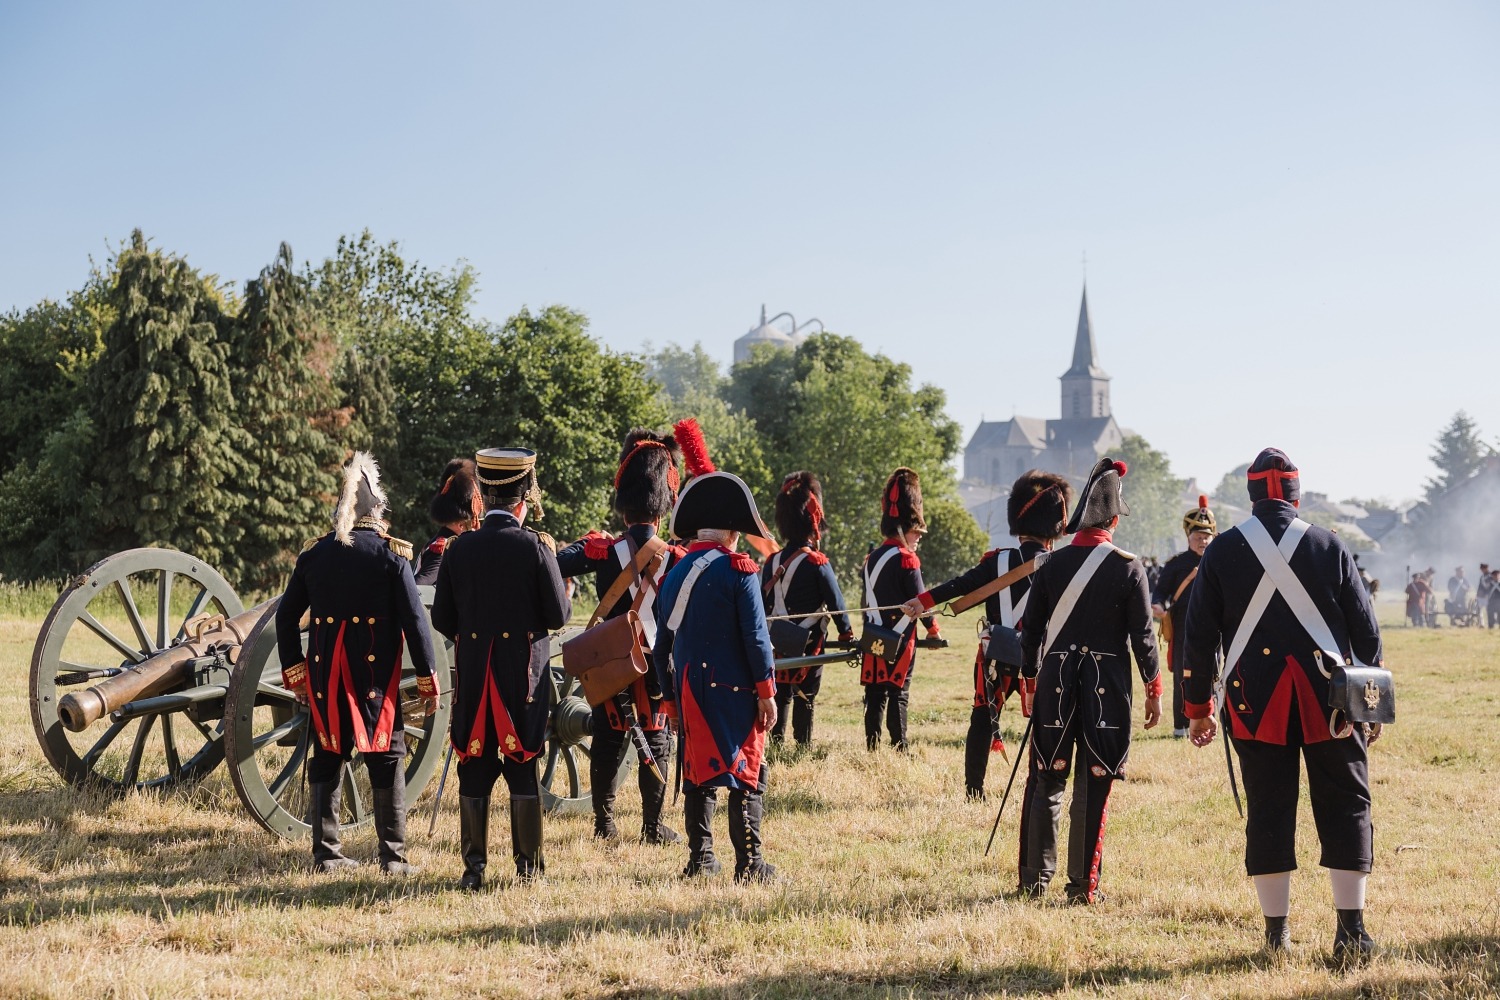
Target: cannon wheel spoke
[275, 691]
[169, 747]
[137, 623]
[293, 765]
[163, 606]
[355, 801]
[102, 744]
[575, 784]
[287, 728]
[137, 749]
[97, 627]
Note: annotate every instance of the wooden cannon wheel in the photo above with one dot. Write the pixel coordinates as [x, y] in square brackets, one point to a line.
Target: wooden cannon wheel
[267, 738]
[116, 614]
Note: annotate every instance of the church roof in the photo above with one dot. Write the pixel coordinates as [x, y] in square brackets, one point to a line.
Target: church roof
[1030, 432]
[1085, 356]
[1080, 433]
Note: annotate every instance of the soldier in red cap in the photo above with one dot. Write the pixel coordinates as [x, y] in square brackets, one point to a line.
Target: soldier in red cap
[892, 575]
[799, 581]
[1272, 693]
[1089, 601]
[1037, 510]
[1169, 599]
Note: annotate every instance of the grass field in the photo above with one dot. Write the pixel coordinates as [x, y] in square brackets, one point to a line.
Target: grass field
[887, 892]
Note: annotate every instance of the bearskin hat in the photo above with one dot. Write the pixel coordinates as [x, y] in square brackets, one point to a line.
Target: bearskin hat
[457, 498]
[1272, 476]
[799, 508]
[901, 504]
[361, 499]
[1101, 501]
[1038, 505]
[1200, 518]
[646, 479]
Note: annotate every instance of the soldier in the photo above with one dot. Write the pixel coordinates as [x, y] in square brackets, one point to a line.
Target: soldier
[645, 487]
[1273, 694]
[799, 581]
[1036, 511]
[1169, 599]
[498, 594]
[713, 657]
[892, 576]
[357, 583]
[1087, 601]
[458, 508]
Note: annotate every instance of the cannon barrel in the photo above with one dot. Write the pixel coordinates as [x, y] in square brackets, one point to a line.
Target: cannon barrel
[160, 672]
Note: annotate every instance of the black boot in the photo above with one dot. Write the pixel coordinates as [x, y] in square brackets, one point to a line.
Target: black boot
[526, 836]
[653, 798]
[802, 719]
[783, 706]
[745, 811]
[604, 813]
[1041, 814]
[977, 753]
[1351, 945]
[698, 807]
[390, 827]
[323, 815]
[474, 837]
[1278, 935]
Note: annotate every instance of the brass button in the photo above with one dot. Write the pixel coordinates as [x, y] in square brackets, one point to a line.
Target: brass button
[1244, 708]
[1236, 683]
[1085, 649]
[1266, 651]
[713, 684]
[505, 635]
[1101, 690]
[320, 694]
[371, 658]
[473, 635]
[356, 619]
[317, 659]
[317, 621]
[529, 700]
[1059, 690]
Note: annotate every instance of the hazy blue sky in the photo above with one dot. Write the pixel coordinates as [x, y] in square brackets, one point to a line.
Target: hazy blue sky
[1290, 210]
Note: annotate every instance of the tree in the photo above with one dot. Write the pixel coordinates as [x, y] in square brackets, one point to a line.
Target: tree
[691, 384]
[954, 541]
[1458, 453]
[1154, 525]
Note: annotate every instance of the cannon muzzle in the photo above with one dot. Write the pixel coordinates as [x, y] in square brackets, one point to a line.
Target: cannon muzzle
[162, 672]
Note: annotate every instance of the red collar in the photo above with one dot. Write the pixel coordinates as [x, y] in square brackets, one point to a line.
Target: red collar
[900, 543]
[700, 546]
[1091, 537]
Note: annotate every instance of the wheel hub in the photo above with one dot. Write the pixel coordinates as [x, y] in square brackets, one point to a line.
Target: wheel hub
[572, 721]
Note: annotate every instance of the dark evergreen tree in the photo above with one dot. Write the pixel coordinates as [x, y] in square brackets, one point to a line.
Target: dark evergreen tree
[1458, 453]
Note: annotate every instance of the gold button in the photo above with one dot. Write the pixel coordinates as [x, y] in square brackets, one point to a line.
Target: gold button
[1244, 708]
[505, 635]
[1236, 683]
[713, 684]
[1266, 651]
[473, 635]
[371, 658]
[320, 694]
[1059, 690]
[317, 621]
[356, 619]
[317, 659]
[1101, 690]
[1085, 649]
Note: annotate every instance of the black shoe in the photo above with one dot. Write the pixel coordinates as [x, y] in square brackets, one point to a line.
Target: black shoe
[474, 835]
[1351, 945]
[707, 865]
[974, 794]
[756, 871]
[663, 834]
[1278, 935]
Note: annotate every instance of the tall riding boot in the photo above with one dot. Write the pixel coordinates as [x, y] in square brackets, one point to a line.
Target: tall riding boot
[323, 815]
[746, 807]
[474, 837]
[874, 709]
[653, 798]
[526, 836]
[1351, 945]
[698, 807]
[802, 718]
[783, 704]
[602, 792]
[390, 827]
[977, 753]
[1041, 813]
[896, 717]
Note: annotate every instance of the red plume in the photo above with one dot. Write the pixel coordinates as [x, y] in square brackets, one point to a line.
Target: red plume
[689, 437]
[1202, 502]
[1121, 468]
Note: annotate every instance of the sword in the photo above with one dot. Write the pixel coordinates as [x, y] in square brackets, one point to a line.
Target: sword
[437, 802]
[1229, 763]
[643, 748]
[1020, 752]
[677, 776]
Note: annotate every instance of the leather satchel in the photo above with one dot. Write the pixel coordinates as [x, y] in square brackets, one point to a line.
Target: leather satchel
[607, 658]
[1363, 694]
[1004, 649]
[789, 639]
[884, 643]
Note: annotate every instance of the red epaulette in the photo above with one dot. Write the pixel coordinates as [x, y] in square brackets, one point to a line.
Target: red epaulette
[596, 544]
[909, 560]
[438, 544]
[743, 563]
[991, 552]
[817, 558]
[678, 552]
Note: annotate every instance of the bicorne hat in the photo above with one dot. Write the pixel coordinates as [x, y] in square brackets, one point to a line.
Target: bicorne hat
[1100, 501]
[1038, 505]
[717, 500]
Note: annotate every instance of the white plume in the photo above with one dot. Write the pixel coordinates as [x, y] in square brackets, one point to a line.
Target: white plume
[360, 496]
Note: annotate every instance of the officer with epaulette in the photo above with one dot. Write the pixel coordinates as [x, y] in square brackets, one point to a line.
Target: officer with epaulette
[357, 583]
[713, 656]
[798, 580]
[499, 594]
[1169, 599]
[457, 507]
[1036, 511]
[1089, 602]
[628, 571]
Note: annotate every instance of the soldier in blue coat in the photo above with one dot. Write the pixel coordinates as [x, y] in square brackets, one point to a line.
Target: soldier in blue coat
[357, 584]
[713, 657]
[457, 508]
[1272, 696]
[499, 594]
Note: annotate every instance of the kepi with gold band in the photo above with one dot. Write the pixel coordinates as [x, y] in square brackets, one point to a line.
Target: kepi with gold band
[1169, 600]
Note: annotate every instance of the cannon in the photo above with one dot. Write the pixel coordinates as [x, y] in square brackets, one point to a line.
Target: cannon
[157, 642]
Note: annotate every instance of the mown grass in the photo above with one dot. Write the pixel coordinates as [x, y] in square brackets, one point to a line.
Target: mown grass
[887, 892]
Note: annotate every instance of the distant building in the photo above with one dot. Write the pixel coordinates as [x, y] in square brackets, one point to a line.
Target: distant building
[1001, 450]
[765, 333]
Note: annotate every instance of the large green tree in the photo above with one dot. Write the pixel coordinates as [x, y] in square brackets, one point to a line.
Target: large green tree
[1154, 526]
[1458, 453]
[691, 384]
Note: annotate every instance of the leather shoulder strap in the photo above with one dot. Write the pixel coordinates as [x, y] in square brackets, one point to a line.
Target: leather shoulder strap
[628, 574]
[1000, 583]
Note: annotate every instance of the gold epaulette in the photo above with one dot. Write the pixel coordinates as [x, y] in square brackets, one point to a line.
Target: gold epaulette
[546, 539]
[400, 546]
[311, 542]
[1127, 556]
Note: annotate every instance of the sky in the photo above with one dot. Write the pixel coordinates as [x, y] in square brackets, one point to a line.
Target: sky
[1289, 210]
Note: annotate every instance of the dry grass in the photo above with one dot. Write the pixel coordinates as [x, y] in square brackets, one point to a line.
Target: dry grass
[888, 895]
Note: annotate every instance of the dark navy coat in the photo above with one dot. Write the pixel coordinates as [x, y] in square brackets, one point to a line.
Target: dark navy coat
[899, 580]
[1277, 678]
[1172, 574]
[362, 601]
[498, 596]
[810, 586]
[430, 558]
[716, 664]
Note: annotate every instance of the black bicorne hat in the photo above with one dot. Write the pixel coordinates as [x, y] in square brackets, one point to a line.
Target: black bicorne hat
[457, 498]
[1100, 500]
[716, 500]
[646, 479]
[1038, 505]
[1272, 476]
[901, 504]
[799, 508]
[506, 477]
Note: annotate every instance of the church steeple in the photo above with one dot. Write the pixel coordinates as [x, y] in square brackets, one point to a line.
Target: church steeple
[1085, 386]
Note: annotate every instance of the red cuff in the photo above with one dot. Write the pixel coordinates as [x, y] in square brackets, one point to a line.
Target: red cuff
[1153, 687]
[294, 678]
[1195, 711]
[766, 688]
[932, 631]
[926, 598]
[427, 686]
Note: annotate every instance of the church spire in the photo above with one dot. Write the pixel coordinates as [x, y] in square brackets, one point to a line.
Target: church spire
[1085, 356]
[1085, 386]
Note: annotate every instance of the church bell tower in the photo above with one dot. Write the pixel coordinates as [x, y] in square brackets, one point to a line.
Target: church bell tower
[1085, 386]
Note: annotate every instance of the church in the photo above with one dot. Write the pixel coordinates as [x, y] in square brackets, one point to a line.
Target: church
[1001, 450]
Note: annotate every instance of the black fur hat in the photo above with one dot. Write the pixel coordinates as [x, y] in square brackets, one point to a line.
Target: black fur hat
[901, 504]
[1100, 500]
[1038, 505]
[646, 478]
[1273, 476]
[457, 498]
[799, 508]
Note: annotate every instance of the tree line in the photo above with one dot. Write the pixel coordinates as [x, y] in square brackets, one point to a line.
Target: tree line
[159, 405]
